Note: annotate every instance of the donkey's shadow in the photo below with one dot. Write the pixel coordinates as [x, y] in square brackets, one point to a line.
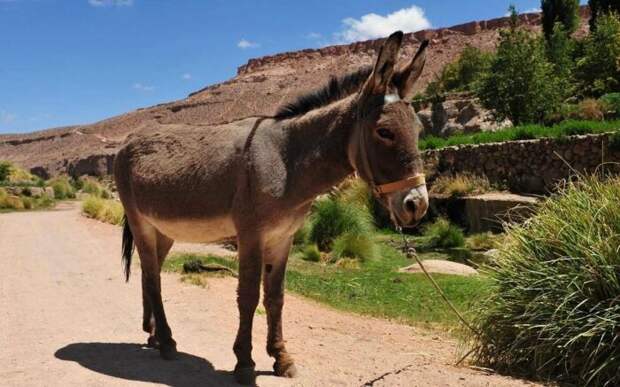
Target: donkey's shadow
[134, 362]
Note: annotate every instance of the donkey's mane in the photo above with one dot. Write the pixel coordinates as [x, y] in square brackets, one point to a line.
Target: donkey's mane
[335, 89]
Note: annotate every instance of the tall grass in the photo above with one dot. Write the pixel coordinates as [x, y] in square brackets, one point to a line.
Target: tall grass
[461, 185]
[105, 210]
[63, 189]
[332, 217]
[525, 132]
[554, 312]
[441, 234]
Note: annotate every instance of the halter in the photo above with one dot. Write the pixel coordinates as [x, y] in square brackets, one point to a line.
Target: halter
[414, 181]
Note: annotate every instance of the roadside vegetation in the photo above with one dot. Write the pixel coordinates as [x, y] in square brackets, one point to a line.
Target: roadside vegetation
[20, 190]
[98, 203]
[553, 311]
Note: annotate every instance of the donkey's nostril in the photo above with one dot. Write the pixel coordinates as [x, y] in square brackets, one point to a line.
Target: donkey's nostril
[410, 205]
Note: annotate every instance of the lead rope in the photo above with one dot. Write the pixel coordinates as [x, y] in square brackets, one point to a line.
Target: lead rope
[410, 252]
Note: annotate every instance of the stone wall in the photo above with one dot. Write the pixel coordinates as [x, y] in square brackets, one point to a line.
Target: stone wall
[530, 166]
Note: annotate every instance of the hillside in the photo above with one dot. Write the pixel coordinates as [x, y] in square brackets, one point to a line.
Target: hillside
[260, 87]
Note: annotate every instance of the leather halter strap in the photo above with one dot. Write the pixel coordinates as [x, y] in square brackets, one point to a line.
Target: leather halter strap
[410, 182]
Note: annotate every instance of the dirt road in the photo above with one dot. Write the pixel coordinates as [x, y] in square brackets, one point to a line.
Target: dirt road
[68, 319]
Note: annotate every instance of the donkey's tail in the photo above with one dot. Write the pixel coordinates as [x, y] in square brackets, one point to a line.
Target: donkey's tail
[127, 248]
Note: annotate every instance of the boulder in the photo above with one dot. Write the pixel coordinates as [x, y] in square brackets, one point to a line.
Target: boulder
[441, 267]
[426, 120]
[452, 128]
[36, 192]
[469, 112]
[439, 118]
[49, 192]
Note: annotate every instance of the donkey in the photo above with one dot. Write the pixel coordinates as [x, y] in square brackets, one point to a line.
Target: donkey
[255, 179]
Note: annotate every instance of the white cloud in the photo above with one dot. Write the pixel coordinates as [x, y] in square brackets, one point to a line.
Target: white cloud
[6, 117]
[110, 3]
[373, 26]
[243, 44]
[186, 76]
[142, 87]
[532, 10]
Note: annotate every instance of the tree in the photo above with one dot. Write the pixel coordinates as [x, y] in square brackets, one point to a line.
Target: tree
[561, 52]
[601, 7]
[565, 12]
[466, 71]
[598, 71]
[521, 84]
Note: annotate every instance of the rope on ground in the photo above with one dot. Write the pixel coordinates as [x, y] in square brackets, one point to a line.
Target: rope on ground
[411, 253]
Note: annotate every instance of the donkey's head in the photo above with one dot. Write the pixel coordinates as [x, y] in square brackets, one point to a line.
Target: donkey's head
[384, 144]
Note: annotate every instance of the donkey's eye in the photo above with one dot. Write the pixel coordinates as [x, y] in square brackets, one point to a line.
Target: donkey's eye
[385, 133]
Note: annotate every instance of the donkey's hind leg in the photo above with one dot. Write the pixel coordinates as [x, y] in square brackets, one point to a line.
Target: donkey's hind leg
[273, 281]
[164, 244]
[150, 244]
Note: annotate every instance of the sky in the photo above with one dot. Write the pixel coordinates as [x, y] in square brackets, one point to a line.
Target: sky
[67, 62]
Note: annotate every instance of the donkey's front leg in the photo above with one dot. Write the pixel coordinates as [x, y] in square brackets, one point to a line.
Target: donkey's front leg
[247, 299]
[275, 269]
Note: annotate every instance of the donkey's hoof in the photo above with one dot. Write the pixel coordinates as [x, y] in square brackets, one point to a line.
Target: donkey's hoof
[168, 351]
[152, 342]
[285, 369]
[245, 375]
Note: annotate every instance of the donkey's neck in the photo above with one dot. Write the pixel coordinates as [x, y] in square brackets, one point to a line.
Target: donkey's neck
[316, 149]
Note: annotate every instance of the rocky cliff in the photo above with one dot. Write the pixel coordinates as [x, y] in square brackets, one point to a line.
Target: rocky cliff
[260, 87]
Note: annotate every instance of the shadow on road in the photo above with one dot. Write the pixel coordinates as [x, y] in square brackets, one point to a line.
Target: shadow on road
[134, 362]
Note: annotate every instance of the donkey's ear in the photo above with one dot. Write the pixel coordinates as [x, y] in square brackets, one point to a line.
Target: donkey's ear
[405, 78]
[381, 75]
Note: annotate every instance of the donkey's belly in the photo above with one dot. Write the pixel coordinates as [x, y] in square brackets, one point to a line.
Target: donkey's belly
[195, 230]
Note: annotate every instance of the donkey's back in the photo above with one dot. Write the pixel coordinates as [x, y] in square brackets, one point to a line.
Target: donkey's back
[184, 176]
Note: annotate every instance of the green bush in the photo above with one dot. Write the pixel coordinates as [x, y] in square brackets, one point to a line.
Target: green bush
[356, 246]
[611, 102]
[331, 217]
[62, 188]
[5, 170]
[311, 253]
[559, 12]
[93, 187]
[464, 73]
[442, 234]
[3, 196]
[108, 211]
[554, 311]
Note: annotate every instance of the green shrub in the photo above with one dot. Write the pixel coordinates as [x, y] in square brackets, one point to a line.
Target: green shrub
[108, 211]
[464, 73]
[554, 311]
[93, 187]
[484, 241]
[29, 203]
[13, 202]
[5, 170]
[332, 217]
[62, 188]
[442, 234]
[311, 253]
[356, 246]
[3, 196]
[460, 185]
[301, 235]
[590, 109]
[611, 103]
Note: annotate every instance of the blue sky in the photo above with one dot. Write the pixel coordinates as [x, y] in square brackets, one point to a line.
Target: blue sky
[65, 62]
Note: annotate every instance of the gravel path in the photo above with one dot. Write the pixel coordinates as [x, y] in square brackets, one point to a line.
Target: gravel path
[68, 319]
